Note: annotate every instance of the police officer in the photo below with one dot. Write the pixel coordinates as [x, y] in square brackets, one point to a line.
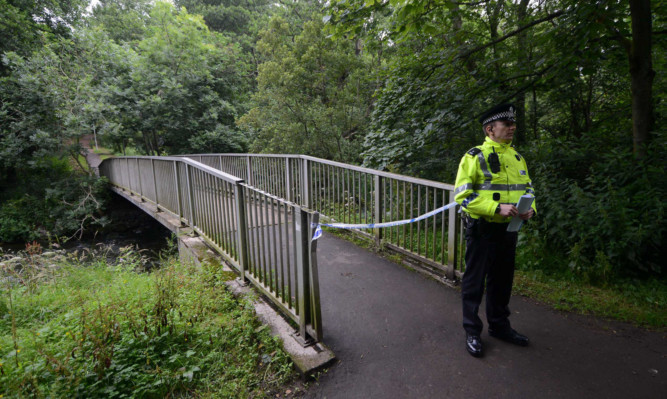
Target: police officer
[490, 180]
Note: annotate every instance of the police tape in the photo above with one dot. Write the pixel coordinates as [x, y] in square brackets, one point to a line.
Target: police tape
[318, 229]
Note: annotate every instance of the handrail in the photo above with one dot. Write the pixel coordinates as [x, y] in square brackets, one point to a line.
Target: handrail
[355, 194]
[264, 237]
[416, 180]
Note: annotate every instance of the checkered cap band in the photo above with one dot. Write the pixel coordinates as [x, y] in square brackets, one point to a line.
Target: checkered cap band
[505, 115]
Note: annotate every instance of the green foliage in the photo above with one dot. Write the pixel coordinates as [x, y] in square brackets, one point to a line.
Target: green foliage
[18, 218]
[313, 91]
[92, 329]
[602, 208]
[27, 25]
[123, 20]
[57, 203]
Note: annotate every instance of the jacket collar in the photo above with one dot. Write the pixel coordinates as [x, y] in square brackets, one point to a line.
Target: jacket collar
[500, 147]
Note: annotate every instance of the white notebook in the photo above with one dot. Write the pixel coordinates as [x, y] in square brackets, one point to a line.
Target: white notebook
[523, 206]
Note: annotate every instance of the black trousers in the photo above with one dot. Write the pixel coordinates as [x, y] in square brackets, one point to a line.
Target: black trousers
[490, 255]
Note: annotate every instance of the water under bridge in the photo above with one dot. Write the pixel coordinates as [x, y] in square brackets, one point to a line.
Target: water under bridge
[396, 333]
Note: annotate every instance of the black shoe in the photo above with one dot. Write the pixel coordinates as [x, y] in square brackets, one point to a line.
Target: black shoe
[474, 345]
[510, 336]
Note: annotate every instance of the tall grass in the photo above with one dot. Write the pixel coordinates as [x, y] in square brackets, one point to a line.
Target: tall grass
[90, 327]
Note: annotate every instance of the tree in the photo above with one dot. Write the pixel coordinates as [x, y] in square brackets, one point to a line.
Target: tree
[123, 20]
[314, 92]
[26, 25]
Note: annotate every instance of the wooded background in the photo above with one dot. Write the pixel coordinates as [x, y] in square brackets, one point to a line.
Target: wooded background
[393, 85]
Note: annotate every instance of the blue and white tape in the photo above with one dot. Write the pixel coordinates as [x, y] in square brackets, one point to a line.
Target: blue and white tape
[318, 229]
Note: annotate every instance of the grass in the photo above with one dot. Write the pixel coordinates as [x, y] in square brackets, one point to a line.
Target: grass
[642, 303]
[103, 151]
[87, 327]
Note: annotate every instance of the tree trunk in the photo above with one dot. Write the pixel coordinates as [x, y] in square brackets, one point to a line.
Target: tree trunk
[641, 74]
[524, 64]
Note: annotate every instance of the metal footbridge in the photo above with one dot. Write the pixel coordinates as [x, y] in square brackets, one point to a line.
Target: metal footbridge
[260, 212]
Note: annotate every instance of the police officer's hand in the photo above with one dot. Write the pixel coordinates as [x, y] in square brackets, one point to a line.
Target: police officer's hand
[527, 215]
[508, 210]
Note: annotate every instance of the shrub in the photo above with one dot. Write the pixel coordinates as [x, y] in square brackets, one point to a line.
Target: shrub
[600, 207]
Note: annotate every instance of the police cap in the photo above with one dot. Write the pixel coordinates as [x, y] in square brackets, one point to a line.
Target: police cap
[503, 112]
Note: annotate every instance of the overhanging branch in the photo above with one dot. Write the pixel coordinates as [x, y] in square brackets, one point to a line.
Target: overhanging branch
[513, 33]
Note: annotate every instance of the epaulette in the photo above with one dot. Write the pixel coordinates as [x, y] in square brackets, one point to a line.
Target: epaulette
[474, 151]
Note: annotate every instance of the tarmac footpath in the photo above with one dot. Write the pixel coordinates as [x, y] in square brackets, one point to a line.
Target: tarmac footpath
[398, 334]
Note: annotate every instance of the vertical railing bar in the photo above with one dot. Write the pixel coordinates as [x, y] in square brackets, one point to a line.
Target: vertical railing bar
[199, 200]
[250, 180]
[348, 196]
[419, 212]
[264, 223]
[330, 190]
[303, 299]
[426, 209]
[435, 218]
[276, 179]
[206, 203]
[354, 197]
[274, 264]
[412, 196]
[306, 183]
[179, 206]
[391, 208]
[255, 206]
[295, 211]
[281, 205]
[442, 231]
[313, 277]
[379, 182]
[288, 180]
[141, 189]
[231, 211]
[453, 242]
[129, 176]
[366, 199]
[188, 176]
[289, 262]
[405, 201]
[250, 228]
[217, 204]
[208, 187]
[219, 216]
[213, 208]
[223, 216]
[157, 201]
[317, 171]
[256, 227]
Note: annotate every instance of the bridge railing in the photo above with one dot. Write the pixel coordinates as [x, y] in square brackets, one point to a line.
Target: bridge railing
[353, 194]
[266, 238]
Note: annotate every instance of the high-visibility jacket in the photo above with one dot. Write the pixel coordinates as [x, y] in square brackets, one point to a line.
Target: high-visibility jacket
[479, 191]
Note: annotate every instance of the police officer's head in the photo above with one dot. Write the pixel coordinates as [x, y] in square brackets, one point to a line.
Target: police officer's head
[500, 113]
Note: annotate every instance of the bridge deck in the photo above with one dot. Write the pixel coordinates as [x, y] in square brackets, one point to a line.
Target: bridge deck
[397, 334]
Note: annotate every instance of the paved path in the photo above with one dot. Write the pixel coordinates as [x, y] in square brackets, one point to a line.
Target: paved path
[92, 158]
[397, 334]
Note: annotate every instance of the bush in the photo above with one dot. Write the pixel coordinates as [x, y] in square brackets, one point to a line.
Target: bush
[18, 220]
[60, 203]
[600, 207]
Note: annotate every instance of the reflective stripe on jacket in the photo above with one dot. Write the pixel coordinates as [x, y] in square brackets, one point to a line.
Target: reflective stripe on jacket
[479, 191]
